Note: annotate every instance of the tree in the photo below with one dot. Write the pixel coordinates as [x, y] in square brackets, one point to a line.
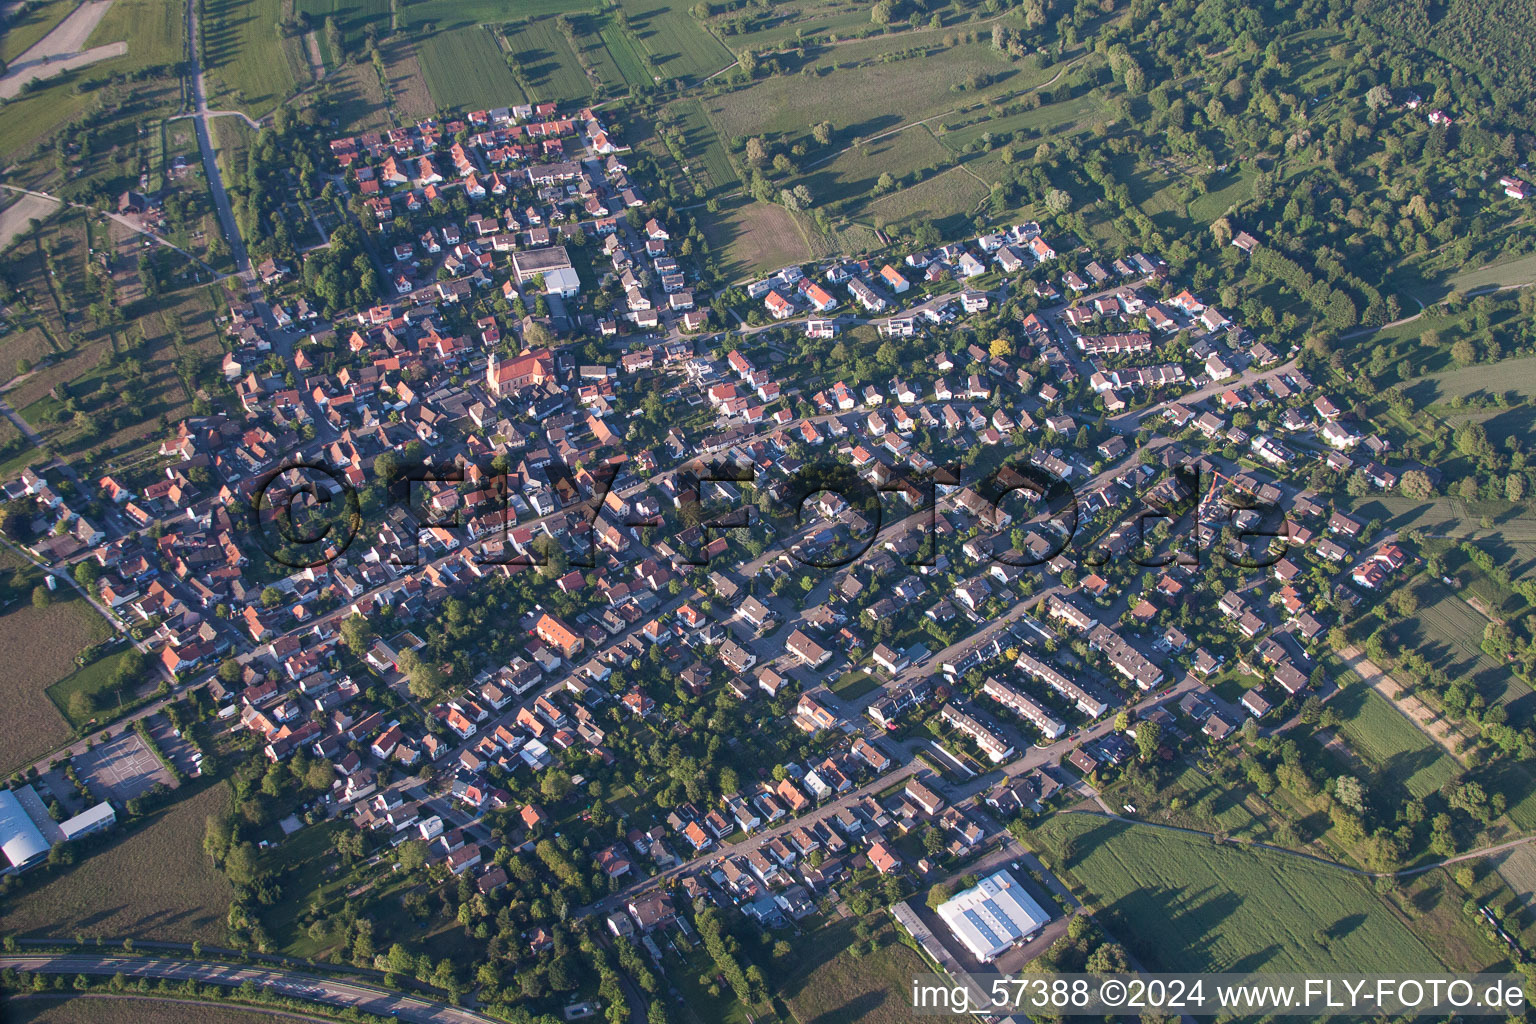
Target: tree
[883, 13]
[1378, 96]
[1464, 352]
[1415, 483]
[555, 785]
[757, 153]
[357, 635]
[1058, 200]
[1347, 791]
[320, 776]
[822, 133]
[271, 597]
[1002, 347]
[423, 677]
[413, 854]
[42, 597]
[1149, 736]
[86, 573]
[940, 893]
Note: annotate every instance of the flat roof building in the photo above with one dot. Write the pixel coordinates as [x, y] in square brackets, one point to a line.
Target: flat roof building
[554, 263]
[994, 916]
[91, 820]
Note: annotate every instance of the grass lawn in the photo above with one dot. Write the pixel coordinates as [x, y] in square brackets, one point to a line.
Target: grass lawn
[838, 987]
[703, 149]
[94, 679]
[548, 62]
[1181, 903]
[250, 67]
[1504, 273]
[1225, 190]
[755, 237]
[1449, 633]
[40, 645]
[1393, 745]
[854, 685]
[154, 30]
[1486, 378]
[870, 98]
[465, 69]
[32, 26]
[356, 90]
[945, 200]
[907, 156]
[154, 882]
[77, 1009]
[676, 41]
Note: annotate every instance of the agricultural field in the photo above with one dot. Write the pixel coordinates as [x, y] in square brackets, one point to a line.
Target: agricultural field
[849, 179]
[443, 15]
[359, 98]
[587, 29]
[407, 82]
[947, 200]
[1181, 903]
[871, 97]
[124, 890]
[249, 66]
[352, 17]
[154, 30]
[675, 40]
[1517, 866]
[702, 149]
[546, 61]
[755, 237]
[80, 1009]
[465, 70]
[1393, 745]
[840, 988]
[40, 646]
[625, 53]
[1518, 375]
[1449, 633]
[781, 24]
[113, 410]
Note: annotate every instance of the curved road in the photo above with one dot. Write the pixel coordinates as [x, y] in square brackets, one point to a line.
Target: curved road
[314, 988]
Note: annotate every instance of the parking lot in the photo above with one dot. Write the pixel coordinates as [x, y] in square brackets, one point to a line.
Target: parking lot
[172, 746]
[121, 768]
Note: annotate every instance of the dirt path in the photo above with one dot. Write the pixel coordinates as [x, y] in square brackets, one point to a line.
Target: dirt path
[61, 50]
[312, 47]
[16, 219]
[1430, 722]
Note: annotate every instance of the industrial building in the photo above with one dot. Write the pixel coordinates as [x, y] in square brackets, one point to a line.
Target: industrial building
[992, 917]
[20, 838]
[27, 833]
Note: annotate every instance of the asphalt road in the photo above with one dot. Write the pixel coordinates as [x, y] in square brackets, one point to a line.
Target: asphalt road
[314, 988]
